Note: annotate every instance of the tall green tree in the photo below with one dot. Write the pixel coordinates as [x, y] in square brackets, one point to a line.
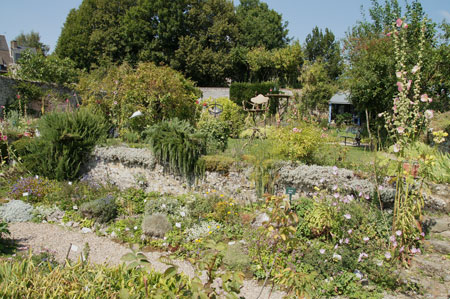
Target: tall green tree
[261, 26]
[204, 52]
[323, 46]
[32, 40]
[317, 86]
[91, 34]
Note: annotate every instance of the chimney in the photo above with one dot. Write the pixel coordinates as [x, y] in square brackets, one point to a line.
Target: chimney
[13, 44]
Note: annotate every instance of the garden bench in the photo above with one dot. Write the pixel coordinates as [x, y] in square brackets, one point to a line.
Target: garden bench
[356, 138]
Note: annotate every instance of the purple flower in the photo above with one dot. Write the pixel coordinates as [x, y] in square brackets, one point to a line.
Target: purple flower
[387, 255]
[392, 238]
[322, 251]
[346, 240]
[398, 233]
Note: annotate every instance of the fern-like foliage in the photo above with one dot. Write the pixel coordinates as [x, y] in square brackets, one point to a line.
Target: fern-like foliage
[177, 145]
[65, 142]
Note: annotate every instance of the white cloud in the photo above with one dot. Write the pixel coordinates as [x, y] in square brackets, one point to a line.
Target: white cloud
[445, 14]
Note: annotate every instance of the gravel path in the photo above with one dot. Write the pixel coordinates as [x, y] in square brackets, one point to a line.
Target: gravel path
[57, 240]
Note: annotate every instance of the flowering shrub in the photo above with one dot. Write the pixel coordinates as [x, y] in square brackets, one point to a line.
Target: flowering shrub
[297, 143]
[32, 189]
[201, 230]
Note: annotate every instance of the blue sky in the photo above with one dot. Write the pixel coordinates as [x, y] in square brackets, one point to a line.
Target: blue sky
[47, 16]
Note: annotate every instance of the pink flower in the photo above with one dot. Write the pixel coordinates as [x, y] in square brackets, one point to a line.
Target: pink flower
[424, 98]
[347, 216]
[4, 137]
[3, 107]
[401, 249]
[387, 255]
[400, 86]
[415, 69]
[346, 240]
[405, 25]
[18, 96]
[399, 22]
[398, 233]
[350, 231]
[389, 34]
[366, 239]
[396, 148]
[429, 114]
[362, 255]
[401, 130]
[67, 100]
[408, 85]
[392, 238]
[115, 102]
[322, 251]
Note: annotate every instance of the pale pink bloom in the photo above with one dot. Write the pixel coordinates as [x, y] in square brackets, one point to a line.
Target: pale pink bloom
[322, 251]
[347, 216]
[424, 98]
[401, 249]
[405, 25]
[401, 130]
[387, 255]
[429, 114]
[400, 86]
[389, 34]
[394, 244]
[415, 250]
[350, 231]
[396, 148]
[380, 188]
[398, 233]
[392, 238]
[398, 74]
[4, 137]
[367, 196]
[346, 240]
[362, 255]
[336, 195]
[408, 85]
[335, 187]
[415, 69]
[399, 22]
[115, 102]
[366, 239]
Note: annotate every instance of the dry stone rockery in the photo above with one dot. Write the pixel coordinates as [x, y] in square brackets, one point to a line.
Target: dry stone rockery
[132, 167]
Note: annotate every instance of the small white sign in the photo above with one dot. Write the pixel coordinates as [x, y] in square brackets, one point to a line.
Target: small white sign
[74, 248]
[25, 194]
[75, 207]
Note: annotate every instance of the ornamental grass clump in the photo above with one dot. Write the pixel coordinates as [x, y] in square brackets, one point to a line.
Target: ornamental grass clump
[177, 145]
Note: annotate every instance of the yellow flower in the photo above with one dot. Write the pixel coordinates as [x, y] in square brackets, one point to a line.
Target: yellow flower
[210, 232]
[209, 226]
[213, 190]
[218, 226]
[231, 203]
[229, 212]
[221, 195]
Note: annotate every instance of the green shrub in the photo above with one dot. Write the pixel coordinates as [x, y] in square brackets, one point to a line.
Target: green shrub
[217, 163]
[4, 231]
[297, 143]
[102, 209]
[216, 131]
[158, 92]
[20, 147]
[176, 144]
[232, 113]
[156, 225]
[163, 205]
[65, 142]
[235, 258]
[245, 91]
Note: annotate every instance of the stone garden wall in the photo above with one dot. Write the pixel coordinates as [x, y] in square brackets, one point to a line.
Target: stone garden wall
[8, 93]
[131, 167]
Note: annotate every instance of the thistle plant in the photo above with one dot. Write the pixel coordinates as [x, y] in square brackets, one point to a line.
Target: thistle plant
[404, 124]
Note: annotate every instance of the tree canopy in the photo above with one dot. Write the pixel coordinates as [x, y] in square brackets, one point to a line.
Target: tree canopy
[32, 40]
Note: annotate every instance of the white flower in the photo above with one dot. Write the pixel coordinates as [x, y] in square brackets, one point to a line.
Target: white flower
[424, 98]
[398, 74]
[387, 255]
[396, 148]
[25, 194]
[231, 242]
[70, 183]
[37, 177]
[379, 263]
[350, 231]
[415, 69]
[362, 255]
[347, 216]
[366, 239]
[337, 256]
[398, 233]
[75, 207]
[178, 224]
[135, 228]
[322, 251]
[183, 214]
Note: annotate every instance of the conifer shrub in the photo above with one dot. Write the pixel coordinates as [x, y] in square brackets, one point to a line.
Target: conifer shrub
[156, 225]
[65, 142]
[102, 209]
[177, 145]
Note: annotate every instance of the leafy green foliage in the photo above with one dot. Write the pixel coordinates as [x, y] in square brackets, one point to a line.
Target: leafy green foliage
[323, 46]
[102, 209]
[156, 225]
[317, 86]
[64, 144]
[51, 69]
[240, 92]
[176, 144]
[216, 163]
[232, 113]
[32, 40]
[160, 93]
[260, 26]
[297, 143]
[216, 131]
[4, 231]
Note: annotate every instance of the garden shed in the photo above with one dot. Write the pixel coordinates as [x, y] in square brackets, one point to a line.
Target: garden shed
[339, 104]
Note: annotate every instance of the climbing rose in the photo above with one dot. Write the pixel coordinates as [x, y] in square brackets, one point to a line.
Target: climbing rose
[400, 130]
[399, 22]
[400, 86]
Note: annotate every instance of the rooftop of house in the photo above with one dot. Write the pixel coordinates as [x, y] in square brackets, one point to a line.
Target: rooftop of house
[5, 57]
[341, 97]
